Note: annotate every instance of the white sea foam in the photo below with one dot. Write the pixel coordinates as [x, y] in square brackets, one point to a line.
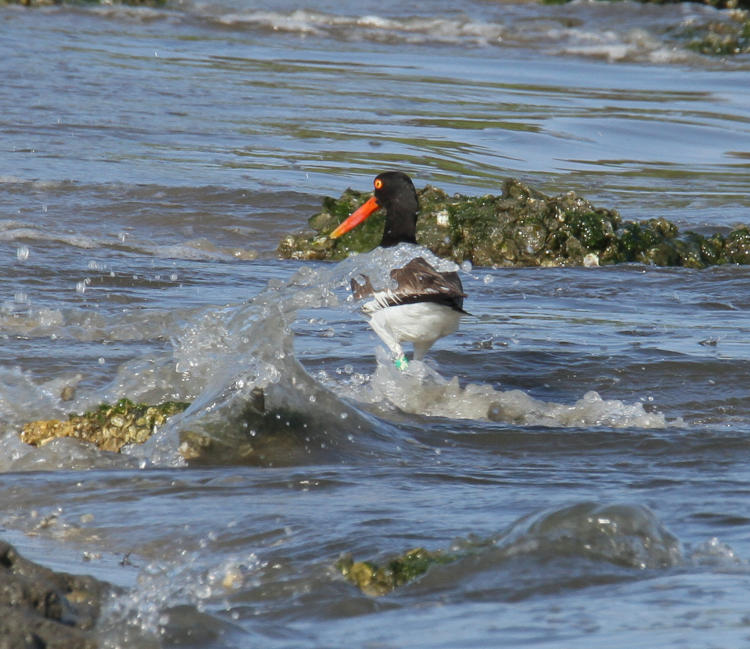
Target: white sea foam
[422, 390]
[615, 35]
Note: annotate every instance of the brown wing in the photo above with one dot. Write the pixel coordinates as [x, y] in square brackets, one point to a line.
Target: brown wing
[362, 290]
[418, 281]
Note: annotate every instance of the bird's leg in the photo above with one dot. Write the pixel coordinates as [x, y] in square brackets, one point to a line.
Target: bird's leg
[421, 348]
[379, 326]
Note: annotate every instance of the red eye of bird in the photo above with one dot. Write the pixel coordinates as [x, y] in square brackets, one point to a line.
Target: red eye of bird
[378, 183]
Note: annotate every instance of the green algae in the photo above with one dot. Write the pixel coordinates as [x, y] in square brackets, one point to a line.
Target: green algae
[377, 580]
[109, 426]
[521, 227]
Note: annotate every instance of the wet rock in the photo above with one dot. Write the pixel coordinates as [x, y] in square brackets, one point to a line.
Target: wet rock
[719, 4]
[251, 433]
[737, 246]
[377, 580]
[520, 227]
[43, 609]
[718, 38]
[110, 427]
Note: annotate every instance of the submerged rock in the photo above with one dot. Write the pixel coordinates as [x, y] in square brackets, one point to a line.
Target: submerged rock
[110, 427]
[521, 227]
[43, 608]
[377, 580]
[250, 434]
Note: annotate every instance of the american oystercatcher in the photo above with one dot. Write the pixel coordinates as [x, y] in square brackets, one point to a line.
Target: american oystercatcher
[426, 304]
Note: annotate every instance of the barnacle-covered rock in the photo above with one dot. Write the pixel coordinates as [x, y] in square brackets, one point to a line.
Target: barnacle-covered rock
[110, 427]
[521, 227]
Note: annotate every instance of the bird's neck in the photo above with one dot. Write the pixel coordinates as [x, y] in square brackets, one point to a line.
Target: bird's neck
[399, 229]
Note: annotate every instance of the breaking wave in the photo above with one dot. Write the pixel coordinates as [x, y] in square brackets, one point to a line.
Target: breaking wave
[252, 399]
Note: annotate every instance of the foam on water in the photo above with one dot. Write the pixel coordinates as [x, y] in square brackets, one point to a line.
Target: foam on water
[568, 30]
[422, 390]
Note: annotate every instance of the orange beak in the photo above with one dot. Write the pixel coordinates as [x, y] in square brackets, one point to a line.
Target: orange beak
[356, 218]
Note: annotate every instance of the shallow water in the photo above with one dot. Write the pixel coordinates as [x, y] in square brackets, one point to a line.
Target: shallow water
[580, 443]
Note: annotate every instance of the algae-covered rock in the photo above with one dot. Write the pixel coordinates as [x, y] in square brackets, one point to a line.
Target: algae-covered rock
[737, 246]
[251, 433]
[315, 244]
[110, 427]
[520, 227]
[377, 580]
[718, 38]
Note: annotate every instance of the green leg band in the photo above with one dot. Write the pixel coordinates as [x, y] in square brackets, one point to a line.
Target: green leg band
[401, 363]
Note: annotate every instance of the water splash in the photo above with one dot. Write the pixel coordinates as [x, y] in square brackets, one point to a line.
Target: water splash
[424, 391]
[253, 401]
[173, 601]
[629, 535]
